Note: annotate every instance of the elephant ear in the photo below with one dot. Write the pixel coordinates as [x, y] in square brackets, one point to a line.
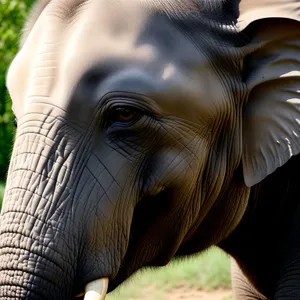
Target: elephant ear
[271, 117]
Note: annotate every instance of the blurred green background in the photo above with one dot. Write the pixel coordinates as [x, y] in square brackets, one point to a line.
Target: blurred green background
[201, 277]
[12, 16]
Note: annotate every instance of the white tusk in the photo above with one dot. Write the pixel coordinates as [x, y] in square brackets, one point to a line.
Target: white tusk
[96, 290]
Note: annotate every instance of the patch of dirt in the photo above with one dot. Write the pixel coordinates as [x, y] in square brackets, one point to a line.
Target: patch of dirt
[196, 295]
[187, 294]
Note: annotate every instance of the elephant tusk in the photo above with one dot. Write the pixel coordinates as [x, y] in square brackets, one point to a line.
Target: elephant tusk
[96, 290]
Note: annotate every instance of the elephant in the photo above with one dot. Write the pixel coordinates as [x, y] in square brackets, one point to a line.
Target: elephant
[151, 130]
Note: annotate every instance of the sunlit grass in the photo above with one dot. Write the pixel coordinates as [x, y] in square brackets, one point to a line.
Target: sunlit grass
[208, 271]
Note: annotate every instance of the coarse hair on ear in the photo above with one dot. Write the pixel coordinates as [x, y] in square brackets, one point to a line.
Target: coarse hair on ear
[271, 66]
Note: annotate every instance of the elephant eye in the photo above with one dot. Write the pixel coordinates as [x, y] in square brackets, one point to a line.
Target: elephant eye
[124, 116]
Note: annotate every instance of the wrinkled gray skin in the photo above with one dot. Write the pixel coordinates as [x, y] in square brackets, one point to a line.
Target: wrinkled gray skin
[148, 130]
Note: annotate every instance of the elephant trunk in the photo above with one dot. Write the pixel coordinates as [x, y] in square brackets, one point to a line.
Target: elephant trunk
[36, 256]
[29, 271]
[30, 266]
[38, 252]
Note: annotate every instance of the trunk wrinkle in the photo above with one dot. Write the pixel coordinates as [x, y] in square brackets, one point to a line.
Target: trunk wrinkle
[56, 228]
[8, 287]
[9, 251]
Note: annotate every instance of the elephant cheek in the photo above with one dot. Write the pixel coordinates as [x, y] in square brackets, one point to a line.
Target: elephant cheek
[169, 169]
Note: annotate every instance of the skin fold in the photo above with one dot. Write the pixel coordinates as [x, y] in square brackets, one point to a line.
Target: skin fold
[149, 130]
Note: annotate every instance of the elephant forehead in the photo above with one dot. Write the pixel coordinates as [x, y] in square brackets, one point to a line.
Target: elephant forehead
[62, 45]
[65, 44]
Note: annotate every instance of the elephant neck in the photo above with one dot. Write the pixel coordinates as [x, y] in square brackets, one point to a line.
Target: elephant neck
[266, 241]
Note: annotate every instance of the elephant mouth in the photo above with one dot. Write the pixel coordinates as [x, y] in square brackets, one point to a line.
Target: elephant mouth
[95, 290]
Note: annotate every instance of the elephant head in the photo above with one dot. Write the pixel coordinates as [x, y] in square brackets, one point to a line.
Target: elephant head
[142, 126]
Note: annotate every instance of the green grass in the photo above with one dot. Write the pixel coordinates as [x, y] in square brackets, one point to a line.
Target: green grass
[1, 192]
[208, 271]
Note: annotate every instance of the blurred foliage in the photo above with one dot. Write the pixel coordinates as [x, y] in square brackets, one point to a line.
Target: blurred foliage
[12, 13]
